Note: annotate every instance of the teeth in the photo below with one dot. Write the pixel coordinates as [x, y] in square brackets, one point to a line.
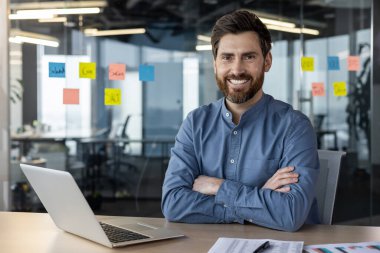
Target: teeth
[234, 81]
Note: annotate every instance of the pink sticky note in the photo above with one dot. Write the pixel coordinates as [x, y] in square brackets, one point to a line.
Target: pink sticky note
[318, 89]
[116, 71]
[71, 96]
[353, 63]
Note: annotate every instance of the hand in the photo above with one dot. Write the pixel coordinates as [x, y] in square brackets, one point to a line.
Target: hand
[207, 185]
[281, 179]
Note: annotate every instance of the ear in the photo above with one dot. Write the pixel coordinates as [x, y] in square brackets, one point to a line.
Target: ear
[268, 62]
[214, 67]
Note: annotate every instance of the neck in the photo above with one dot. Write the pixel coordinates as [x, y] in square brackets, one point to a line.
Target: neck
[238, 109]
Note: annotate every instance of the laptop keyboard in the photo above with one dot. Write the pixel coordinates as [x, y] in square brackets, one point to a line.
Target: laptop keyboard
[116, 235]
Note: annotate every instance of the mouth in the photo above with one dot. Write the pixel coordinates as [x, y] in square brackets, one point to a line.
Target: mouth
[238, 83]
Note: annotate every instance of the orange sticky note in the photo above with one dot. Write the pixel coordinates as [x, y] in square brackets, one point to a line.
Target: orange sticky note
[116, 72]
[87, 70]
[71, 96]
[340, 89]
[318, 89]
[307, 63]
[112, 96]
[353, 63]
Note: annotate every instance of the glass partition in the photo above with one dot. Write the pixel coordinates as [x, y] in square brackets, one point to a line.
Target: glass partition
[107, 106]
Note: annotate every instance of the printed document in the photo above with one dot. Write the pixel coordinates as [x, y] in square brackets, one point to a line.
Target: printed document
[360, 247]
[238, 245]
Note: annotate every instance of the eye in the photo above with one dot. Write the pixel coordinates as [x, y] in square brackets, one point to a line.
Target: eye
[226, 57]
[249, 57]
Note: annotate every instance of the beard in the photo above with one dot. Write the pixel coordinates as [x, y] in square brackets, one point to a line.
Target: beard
[236, 96]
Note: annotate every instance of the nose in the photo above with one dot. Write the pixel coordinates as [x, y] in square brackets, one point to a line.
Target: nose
[237, 67]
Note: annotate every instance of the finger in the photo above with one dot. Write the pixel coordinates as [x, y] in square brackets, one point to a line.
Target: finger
[282, 182]
[287, 175]
[287, 181]
[286, 169]
[283, 189]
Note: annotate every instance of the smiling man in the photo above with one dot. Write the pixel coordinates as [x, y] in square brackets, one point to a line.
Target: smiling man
[246, 157]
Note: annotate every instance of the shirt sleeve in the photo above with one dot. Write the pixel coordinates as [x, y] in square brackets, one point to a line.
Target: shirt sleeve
[282, 211]
[179, 202]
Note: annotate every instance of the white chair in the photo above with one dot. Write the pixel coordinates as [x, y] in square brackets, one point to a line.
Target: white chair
[330, 162]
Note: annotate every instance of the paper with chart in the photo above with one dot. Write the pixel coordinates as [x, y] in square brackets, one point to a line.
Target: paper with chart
[361, 247]
[238, 245]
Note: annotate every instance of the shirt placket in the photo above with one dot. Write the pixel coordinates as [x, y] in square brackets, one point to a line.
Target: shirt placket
[235, 138]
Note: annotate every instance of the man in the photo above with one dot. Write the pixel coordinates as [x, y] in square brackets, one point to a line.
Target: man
[246, 157]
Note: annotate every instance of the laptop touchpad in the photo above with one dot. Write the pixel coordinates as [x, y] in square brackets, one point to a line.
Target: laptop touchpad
[138, 227]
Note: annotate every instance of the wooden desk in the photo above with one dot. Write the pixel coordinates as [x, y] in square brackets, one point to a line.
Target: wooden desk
[36, 233]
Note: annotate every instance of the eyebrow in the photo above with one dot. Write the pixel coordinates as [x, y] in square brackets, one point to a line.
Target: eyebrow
[243, 54]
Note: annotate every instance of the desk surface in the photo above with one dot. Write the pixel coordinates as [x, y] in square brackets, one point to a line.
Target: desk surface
[32, 233]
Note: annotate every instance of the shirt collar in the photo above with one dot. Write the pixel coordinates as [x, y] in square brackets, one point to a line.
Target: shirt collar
[256, 108]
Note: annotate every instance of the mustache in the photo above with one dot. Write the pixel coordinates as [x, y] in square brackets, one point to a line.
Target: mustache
[242, 76]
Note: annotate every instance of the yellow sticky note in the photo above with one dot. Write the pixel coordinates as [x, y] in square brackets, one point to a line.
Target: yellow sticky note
[353, 63]
[307, 63]
[112, 96]
[340, 89]
[87, 70]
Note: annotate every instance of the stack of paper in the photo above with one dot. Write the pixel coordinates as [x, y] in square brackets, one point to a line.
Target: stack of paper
[237, 245]
[361, 247]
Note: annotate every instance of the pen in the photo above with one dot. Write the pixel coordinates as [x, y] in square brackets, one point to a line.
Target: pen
[262, 247]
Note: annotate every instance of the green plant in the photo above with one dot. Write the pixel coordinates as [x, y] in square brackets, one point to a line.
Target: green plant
[17, 90]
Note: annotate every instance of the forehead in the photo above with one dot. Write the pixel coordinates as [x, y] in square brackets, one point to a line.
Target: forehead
[241, 42]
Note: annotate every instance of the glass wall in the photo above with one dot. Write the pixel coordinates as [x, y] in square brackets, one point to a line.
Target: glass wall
[107, 108]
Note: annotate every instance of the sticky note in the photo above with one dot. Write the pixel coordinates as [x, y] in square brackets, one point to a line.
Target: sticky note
[333, 63]
[87, 70]
[146, 73]
[353, 63]
[116, 71]
[57, 69]
[318, 89]
[71, 96]
[307, 63]
[340, 89]
[112, 96]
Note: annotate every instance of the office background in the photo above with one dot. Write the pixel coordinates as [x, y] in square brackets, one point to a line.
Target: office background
[118, 153]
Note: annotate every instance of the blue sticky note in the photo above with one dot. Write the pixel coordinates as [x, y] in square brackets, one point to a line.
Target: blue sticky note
[57, 69]
[146, 73]
[333, 63]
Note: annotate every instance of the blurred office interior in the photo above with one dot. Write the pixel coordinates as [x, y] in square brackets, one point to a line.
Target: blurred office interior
[118, 151]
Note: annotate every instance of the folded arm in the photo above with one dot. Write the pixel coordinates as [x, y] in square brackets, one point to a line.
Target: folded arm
[188, 198]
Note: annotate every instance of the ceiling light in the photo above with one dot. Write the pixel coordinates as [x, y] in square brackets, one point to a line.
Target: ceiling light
[53, 20]
[30, 16]
[67, 11]
[18, 36]
[293, 30]
[58, 4]
[204, 38]
[268, 21]
[203, 47]
[96, 32]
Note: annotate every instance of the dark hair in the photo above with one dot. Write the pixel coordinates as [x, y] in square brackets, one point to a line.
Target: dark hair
[238, 22]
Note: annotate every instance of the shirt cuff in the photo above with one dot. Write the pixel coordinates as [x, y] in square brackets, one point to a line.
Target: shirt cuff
[227, 193]
[225, 197]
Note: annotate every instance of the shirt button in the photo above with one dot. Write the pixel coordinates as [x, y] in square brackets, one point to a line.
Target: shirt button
[232, 161]
[227, 114]
[250, 220]
[225, 205]
[235, 132]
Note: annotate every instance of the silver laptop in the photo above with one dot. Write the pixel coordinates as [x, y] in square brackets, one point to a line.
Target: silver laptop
[70, 211]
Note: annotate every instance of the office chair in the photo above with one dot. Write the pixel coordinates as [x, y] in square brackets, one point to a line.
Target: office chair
[330, 162]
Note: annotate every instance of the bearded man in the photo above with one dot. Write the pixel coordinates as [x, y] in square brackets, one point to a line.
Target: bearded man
[246, 158]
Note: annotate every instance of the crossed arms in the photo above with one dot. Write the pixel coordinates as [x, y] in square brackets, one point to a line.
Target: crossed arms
[282, 203]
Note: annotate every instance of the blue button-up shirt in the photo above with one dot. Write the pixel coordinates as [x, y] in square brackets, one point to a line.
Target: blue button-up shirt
[270, 135]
